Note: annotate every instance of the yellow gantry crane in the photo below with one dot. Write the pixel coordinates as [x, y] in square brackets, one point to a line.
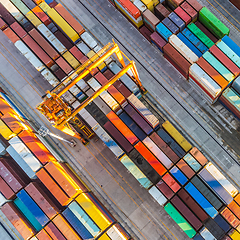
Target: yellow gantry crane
[59, 113]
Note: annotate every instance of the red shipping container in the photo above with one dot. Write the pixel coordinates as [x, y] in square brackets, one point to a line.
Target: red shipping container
[44, 44]
[183, 15]
[190, 11]
[38, 51]
[118, 123]
[6, 190]
[13, 122]
[52, 186]
[18, 29]
[186, 212]
[168, 179]
[230, 217]
[164, 147]
[165, 189]
[70, 19]
[160, 169]
[233, 206]
[112, 90]
[131, 8]
[66, 229]
[42, 200]
[42, 15]
[53, 231]
[195, 4]
[11, 35]
[206, 31]
[83, 59]
[64, 65]
[42, 235]
[183, 166]
[224, 60]
[52, 4]
[76, 53]
[17, 220]
[198, 156]
[213, 73]
[190, 202]
[3, 25]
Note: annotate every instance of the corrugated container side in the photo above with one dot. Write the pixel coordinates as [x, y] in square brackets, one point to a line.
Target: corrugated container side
[165, 189]
[117, 232]
[190, 11]
[185, 168]
[163, 31]
[183, 15]
[16, 27]
[55, 233]
[214, 228]
[190, 160]
[177, 20]
[230, 217]
[235, 208]
[42, 235]
[171, 182]
[170, 25]
[222, 223]
[6, 191]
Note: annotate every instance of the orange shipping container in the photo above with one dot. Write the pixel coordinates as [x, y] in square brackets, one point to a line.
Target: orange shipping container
[42, 235]
[17, 220]
[54, 232]
[199, 156]
[131, 8]
[11, 35]
[42, 15]
[70, 19]
[64, 180]
[233, 206]
[118, 123]
[5, 107]
[230, 217]
[160, 169]
[52, 186]
[36, 147]
[237, 199]
[66, 229]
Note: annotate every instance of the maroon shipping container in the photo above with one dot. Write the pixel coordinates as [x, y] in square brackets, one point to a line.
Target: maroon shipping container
[190, 11]
[6, 190]
[161, 12]
[64, 65]
[224, 60]
[183, 15]
[206, 31]
[158, 40]
[145, 32]
[17, 220]
[6, 16]
[42, 200]
[190, 202]
[54, 232]
[44, 44]
[198, 156]
[122, 88]
[195, 4]
[186, 212]
[63, 39]
[176, 59]
[76, 53]
[164, 147]
[120, 139]
[18, 29]
[38, 51]
[53, 4]
[183, 166]
[42, 15]
[174, 3]
[165, 189]
[108, 74]
[60, 74]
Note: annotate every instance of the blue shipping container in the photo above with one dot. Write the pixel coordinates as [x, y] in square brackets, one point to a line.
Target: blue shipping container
[33, 207]
[231, 44]
[216, 186]
[76, 224]
[177, 20]
[132, 126]
[194, 40]
[163, 31]
[182, 179]
[192, 162]
[189, 44]
[171, 142]
[170, 25]
[236, 85]
[201, 200]
[221, 222]
[198, 237]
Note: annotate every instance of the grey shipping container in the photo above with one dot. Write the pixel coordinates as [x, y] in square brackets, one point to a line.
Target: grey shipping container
[214, 229]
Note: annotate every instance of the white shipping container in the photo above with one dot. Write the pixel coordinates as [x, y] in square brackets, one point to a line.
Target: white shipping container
[115, 234]
[76, 104]
[88, 118]
[221, 179]
[24, 152]
[50, 77]
[104, 95]
[68, 97]
[83, 47]
[12, 9]
[20, 161]
[83, 85]
[143, 110]
[89, 40]
[139, 4]
[29, 55]
[183, 49]
[157, 152]
[3, 200]
[51, 38]
[204, 80]
[2, 148]
[74, 90]
[97, 48]
[157, 195]
[206, 234]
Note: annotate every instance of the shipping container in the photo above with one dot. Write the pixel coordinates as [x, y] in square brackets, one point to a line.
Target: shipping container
[231, 44]
[54, 232]
[195, 4]
[6, 190]
[60, 35]
[157, 195]
[210, 21]
[6, 131]
[165, 189]
[206, 31]
[230, 217]
[170, 25]
[71, 59]
[161, 11]
[185, 168]
[3, 24]
[150, 20]
[183, 15]
[11, 35]
[169, 180]
[64, 65]
[163, 31]
[33, 19]
[199, 156]
[42, 235]
[219, 220]
[235, 208]
[177, 20]
[6, 14]
[201, 200]
[174, 3]
[177, 174]
[158, 41]
[192, 162]
[190, 11]
[16, 27]
[206, 234]
[235, 235]
[181, 47]
[41, 15]
[149, 4]
[237, 199]
[17, 220]
[140, 5]
[76, 53]
[145, 32]
[50, 77]
[95, 210]
[182, 223]
[117, 232]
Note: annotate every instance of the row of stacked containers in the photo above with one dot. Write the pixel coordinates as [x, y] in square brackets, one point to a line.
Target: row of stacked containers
[195, 42]
[176, 174]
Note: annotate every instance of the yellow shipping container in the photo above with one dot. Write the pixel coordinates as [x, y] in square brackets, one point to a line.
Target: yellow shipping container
[104, 237]
[91, 54]
[93, 211]
[235, 235]
[44, 6]
[101, 66]
[33, 18]
[155, 2]
[149, 4]
[71, 59]
[56, 17]
[5, 131]
[177, 136]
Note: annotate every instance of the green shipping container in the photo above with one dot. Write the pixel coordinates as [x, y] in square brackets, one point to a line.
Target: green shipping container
[218, 66]
[210, 21]
[200, 35]
[27, 214]
[177, 217]
[21, 6]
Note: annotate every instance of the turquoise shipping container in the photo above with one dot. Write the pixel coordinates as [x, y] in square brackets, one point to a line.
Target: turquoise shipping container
[192, 162]
[21, 6]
